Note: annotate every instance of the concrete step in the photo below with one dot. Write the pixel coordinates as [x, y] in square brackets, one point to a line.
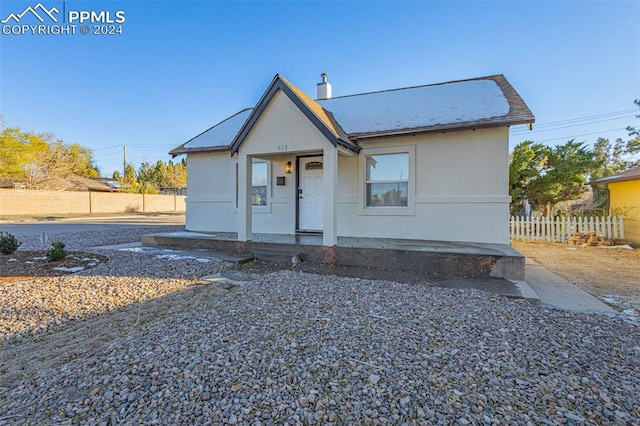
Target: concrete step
[238, 260]
[283, 256]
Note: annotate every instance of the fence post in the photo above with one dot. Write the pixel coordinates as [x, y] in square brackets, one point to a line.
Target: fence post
[511, 222]
[519, 228]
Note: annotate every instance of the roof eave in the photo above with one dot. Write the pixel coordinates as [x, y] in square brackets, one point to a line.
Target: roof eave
[442, 128]
[611, 179]
[182, 150]
[630, 174]
[176, 152]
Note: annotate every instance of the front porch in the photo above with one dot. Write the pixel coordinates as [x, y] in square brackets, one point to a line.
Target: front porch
[419, 256]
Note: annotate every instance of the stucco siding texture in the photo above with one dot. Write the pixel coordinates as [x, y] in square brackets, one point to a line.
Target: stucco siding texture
[460, 189]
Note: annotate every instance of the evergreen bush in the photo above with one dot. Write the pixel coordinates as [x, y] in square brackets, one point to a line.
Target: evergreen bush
[56, 251]
[8, 243]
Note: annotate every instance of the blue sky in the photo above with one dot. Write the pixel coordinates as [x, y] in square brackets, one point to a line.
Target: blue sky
[181, 66]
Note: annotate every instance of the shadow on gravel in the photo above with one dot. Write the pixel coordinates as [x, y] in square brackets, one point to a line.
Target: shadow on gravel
[61, 341]
[490, 285]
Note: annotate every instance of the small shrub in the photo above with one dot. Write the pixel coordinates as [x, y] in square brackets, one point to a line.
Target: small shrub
[8, 243]
[56, 251]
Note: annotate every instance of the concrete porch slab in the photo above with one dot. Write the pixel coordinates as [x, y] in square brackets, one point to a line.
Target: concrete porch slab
[421, 256]
[237, 260]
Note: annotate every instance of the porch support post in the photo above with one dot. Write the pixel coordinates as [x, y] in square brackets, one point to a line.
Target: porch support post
[330, 184]
[244, 197]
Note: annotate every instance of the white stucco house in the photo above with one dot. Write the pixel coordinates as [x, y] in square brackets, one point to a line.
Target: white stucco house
[423, 163]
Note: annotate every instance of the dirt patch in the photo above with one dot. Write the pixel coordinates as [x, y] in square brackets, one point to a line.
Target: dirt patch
[22, 265]
[600, 271]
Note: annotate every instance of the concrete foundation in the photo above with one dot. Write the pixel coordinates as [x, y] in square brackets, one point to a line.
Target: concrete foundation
[431, 257]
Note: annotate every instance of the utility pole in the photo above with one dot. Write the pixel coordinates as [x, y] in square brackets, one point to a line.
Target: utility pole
[124, 161]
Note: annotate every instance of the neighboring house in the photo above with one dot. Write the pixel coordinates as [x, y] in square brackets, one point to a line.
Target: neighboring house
[77, 183]
[624, 199]
[172, 191]
[427, 162]
[70, 183]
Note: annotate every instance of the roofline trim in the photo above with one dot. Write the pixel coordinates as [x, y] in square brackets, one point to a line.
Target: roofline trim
[204, 149]
[611, 179]
[279, 84]
[442, 128]
[182, 150]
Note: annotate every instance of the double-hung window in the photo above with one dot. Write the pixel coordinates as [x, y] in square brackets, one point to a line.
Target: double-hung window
[259, 180]
[387, 180]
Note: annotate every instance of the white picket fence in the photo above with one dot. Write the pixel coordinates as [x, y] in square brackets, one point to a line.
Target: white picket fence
[561, 229]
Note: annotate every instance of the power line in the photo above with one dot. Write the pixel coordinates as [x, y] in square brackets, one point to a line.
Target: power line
[141, 148]
[521, 132]
[584, 134]
[587, 117]
[105, 148]
[575, 136]
[586, 120]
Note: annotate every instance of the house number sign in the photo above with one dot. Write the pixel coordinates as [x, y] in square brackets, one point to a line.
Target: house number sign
[282, 148]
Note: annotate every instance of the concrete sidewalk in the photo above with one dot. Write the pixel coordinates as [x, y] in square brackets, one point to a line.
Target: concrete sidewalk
[556, 292]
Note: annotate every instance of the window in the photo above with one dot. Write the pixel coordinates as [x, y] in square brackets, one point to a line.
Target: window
[237, 192]
[259, 184]
[387, 180]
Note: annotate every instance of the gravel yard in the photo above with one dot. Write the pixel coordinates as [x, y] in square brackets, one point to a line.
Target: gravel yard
[141, 339]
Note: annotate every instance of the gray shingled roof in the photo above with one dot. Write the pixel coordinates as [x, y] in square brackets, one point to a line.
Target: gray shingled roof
[481, 102]
[216, 138]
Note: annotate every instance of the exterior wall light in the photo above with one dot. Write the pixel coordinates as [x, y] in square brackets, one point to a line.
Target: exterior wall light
[288, 168]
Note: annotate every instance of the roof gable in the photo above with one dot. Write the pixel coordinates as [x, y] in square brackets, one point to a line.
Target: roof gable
[321, 118]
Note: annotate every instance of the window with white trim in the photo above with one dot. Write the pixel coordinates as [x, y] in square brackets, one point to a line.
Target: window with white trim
[259, 181]
[387, 180]
[237, 191]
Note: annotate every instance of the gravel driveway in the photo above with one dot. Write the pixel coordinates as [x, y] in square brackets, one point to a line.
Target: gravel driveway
[290, 347]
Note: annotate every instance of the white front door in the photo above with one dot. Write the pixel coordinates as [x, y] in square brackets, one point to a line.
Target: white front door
[310, 194]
